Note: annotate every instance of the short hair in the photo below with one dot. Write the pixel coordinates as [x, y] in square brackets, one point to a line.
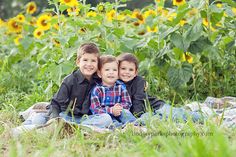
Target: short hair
[103, 59]
[129, 57]
[90, 48]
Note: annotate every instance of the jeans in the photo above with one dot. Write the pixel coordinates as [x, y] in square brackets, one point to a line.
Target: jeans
[178, 114]
[125, 117]
[99, 120]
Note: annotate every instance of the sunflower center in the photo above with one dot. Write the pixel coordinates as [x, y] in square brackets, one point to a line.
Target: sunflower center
[39, 33]
[44, 23]
[15, 25]
[179, 1]
[67, 1]
[31, 7]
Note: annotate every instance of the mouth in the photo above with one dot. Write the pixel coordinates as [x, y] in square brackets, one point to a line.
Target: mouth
[111, 77]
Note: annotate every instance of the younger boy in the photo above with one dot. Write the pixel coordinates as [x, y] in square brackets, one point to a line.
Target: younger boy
[72, 101]
[128, 70]
[111, 95]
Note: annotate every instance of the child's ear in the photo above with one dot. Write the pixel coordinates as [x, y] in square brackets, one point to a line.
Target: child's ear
[77, 62]
[99, 73]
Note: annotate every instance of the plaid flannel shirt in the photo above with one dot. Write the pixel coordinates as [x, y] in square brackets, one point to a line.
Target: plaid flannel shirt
[103, 98]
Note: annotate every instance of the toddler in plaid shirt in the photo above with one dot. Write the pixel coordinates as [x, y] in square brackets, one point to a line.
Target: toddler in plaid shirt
[111, 95]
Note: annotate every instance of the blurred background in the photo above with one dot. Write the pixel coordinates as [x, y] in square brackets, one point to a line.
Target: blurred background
[10, 8]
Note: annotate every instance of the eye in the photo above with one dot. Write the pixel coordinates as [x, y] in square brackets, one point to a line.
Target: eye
[85, 59]
[131, 69]
[94, 60]
[122, 68]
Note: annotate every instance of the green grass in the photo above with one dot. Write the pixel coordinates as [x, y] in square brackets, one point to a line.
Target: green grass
[163, 138]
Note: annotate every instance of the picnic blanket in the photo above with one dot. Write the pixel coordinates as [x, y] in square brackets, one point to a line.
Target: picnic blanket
[224, 108]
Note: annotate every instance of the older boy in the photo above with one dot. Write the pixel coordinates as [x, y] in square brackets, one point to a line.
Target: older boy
[111, 95]
[72, 101]
[128, 70]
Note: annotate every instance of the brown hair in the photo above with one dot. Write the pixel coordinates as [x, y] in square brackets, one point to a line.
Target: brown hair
[90, 48]
[106, 59]
[129, 57]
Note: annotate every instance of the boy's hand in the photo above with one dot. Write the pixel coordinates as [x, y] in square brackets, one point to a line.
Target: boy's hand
[116, 110]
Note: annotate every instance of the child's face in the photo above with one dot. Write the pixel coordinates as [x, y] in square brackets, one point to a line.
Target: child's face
[88, 64]
[109, 73]
[127, 71]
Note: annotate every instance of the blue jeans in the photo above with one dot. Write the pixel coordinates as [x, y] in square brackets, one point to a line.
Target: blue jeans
[125, 117]
[99, 120]
[178, 114]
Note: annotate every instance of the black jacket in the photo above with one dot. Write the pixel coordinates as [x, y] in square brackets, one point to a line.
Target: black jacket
[136, 90]
[73, 95]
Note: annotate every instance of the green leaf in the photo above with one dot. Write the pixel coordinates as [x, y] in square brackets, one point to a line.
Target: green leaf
[63, 7]
[153, 44]
[230, 2]
[167, 32]
[119, 32]
[179, 41]
[216, 17]
[26, 42]
[194, 32]
[199, 45]
[181, 12]
[179, 76]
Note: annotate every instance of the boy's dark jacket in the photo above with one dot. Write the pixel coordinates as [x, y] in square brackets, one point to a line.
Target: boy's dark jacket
[74, 95]
[136, 90]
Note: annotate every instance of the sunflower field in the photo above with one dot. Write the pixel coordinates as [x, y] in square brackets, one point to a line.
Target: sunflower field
[186, 53]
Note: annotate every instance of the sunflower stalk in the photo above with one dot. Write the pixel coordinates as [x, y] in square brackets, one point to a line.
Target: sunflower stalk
[209, 36]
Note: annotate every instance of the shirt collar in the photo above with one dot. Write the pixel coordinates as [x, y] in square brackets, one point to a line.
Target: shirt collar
[78, 74]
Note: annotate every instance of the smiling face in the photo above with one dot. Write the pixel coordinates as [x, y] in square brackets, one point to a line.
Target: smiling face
[88, 64]
[127, 71]
[109, 73]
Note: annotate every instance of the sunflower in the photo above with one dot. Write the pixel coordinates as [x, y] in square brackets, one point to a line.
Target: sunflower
[38, 33]
[152, 29]
[14, 26]
[43, 22]
[70, 3]
[139, 16]
[172, 16]
[91, 14]
[234, 11]
[205, 22]
[17, 39]
[56, 42]
[150, 13]
[101, 7]
[31, 8]
[187, 57]
[20, 18]
[111, 15]
[193, 12]
[182, 22]
[33, 21]
[178, 2]
[219, 5]
[73, 11]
